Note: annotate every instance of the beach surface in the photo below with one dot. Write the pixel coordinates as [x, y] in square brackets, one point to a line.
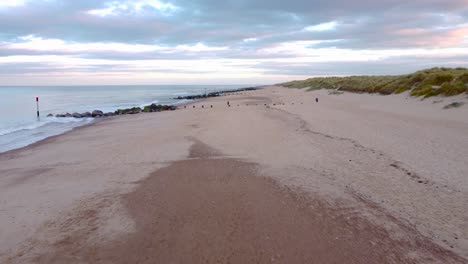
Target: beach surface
[275, 177]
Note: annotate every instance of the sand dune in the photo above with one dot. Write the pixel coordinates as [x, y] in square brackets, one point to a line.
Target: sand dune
[353, 178]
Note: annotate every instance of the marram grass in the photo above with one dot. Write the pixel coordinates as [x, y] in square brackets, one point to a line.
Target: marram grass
[425, 83]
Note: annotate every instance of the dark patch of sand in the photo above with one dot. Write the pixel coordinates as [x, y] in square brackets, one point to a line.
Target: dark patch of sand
[210, 209]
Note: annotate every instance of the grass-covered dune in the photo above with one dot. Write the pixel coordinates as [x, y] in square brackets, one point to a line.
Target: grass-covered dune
[430, 82]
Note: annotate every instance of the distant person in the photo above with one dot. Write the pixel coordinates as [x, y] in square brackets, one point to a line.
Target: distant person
[228, 103]
[316, 99]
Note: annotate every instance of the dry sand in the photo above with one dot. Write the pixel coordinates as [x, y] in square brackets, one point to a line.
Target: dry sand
[354, 178]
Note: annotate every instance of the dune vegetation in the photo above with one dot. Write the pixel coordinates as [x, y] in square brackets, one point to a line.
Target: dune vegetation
[426, 83]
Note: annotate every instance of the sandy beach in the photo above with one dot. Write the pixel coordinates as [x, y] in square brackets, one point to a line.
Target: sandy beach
[275, 178]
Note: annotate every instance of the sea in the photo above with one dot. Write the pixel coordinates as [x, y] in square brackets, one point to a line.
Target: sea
[20, 126]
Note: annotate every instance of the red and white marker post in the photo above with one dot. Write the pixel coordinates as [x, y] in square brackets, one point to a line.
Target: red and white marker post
[37, 105]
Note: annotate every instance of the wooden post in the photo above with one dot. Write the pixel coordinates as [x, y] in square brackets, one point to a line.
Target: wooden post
[37, 106]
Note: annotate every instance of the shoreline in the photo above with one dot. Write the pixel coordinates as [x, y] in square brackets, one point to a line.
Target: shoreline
[374, 170]
[49, 139]
[177, 105]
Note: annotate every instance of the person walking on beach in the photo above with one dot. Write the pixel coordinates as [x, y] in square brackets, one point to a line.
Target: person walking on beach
[316, 99]
[228, 103]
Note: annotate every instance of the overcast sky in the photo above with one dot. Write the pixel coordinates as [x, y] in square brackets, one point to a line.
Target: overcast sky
[224, 41]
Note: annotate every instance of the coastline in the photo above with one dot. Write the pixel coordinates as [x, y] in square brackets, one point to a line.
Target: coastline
[302, 147]
[47, 140]
[182, 101]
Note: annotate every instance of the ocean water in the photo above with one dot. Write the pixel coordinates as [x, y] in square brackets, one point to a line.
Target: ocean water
[19, 125]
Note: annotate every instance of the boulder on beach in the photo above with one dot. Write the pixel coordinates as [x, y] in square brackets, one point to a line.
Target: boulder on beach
[158, 108]
[50, 115]
[130, 111]
[214, 94]
[97, 113]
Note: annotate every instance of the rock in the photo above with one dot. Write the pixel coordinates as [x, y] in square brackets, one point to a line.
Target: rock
[158, 108]
[147, 109]
[50, 115]
[130, 111]
[214, 94]
[97, 113]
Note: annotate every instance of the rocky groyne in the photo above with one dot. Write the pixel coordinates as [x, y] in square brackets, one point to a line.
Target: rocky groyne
[152, 107]
[127, 111]
[214, 94]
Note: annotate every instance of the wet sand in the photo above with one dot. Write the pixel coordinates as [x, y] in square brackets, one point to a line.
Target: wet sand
[212, 209]
[245, 184]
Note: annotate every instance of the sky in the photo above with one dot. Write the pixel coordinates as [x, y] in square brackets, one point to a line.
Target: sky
[92, 42]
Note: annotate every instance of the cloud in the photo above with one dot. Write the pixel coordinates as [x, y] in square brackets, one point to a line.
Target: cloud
[322, 27]
[262, 36]
[116, 8]
[11, 3]
[32, 43]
